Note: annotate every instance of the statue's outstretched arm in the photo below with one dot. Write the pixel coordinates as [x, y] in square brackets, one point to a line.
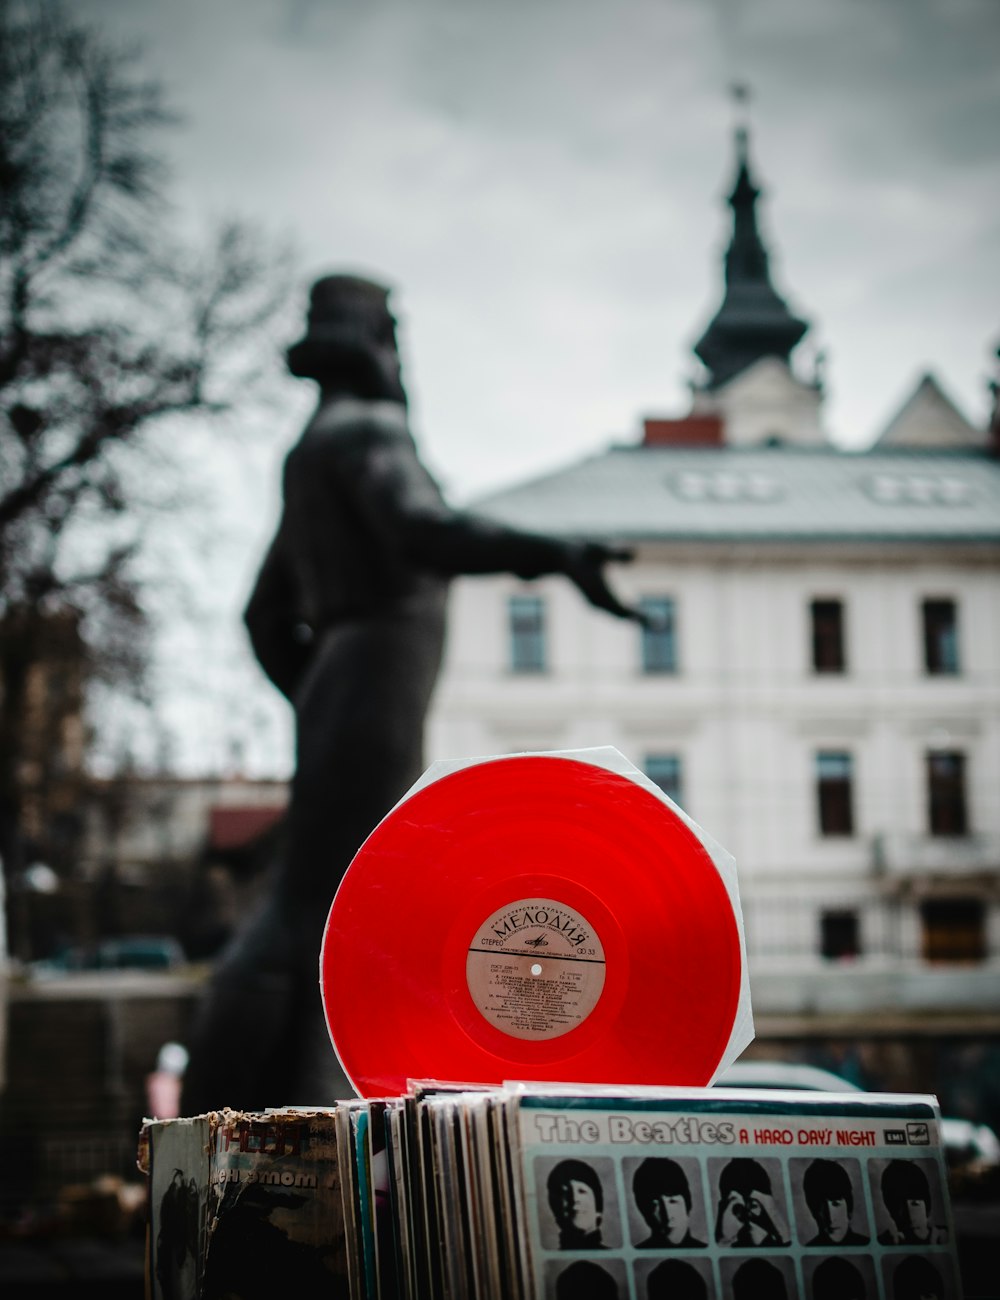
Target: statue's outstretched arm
[406, 506]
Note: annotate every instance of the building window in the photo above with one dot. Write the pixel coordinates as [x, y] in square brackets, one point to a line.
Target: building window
[828, 636]
[940, 619]
[666, 772]
[834, 795]
[527, 634]
[953, 929]
[839, 935]
[946, 808]
[659, 639]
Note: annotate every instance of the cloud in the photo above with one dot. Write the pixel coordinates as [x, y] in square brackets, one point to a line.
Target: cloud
[546, 176]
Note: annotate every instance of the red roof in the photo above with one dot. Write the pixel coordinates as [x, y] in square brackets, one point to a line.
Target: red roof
[692, 431]
[235, 827]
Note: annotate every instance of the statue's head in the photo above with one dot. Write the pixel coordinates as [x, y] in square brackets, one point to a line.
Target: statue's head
[350, 340]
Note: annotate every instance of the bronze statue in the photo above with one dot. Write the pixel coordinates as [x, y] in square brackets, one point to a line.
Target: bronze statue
[347, 619]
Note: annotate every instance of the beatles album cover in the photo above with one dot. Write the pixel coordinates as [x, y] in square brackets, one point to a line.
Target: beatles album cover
[719, 1195]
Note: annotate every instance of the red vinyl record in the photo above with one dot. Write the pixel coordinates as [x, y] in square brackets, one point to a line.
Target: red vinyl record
[534, 917]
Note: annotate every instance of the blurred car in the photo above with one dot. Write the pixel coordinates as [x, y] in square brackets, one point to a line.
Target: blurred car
[133, 952]
[966, 1143]
[783, 1074]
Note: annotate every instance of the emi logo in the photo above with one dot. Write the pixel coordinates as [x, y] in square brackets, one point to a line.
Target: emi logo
[919, 1134]
[895, 1137]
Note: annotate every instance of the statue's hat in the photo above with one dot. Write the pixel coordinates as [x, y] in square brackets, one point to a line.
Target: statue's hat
[348, 317]
[339, 301]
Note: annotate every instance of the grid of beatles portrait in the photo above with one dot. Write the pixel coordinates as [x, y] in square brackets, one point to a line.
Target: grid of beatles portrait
[614, 1220]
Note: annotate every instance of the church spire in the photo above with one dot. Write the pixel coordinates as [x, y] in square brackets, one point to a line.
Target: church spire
[753, 321]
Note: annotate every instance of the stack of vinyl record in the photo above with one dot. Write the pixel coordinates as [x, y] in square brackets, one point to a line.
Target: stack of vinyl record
[556, 1192]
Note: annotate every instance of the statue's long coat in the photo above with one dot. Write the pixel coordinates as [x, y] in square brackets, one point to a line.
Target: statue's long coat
[347, 619]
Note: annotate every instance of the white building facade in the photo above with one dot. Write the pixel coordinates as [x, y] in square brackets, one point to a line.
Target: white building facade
[822, 690]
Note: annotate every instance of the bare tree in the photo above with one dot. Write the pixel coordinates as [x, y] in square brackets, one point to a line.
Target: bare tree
[110, 330]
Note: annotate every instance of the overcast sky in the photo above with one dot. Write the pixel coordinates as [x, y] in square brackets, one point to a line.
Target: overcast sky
[543, 182]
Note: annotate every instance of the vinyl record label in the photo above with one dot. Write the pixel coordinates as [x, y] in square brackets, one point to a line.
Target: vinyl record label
[532, 917]
[535, 969]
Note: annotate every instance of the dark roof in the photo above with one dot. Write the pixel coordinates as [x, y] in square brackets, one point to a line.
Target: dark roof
[730, 493]
[753, 320]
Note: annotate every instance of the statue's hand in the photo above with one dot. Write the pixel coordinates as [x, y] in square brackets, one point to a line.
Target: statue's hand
[585, 567]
